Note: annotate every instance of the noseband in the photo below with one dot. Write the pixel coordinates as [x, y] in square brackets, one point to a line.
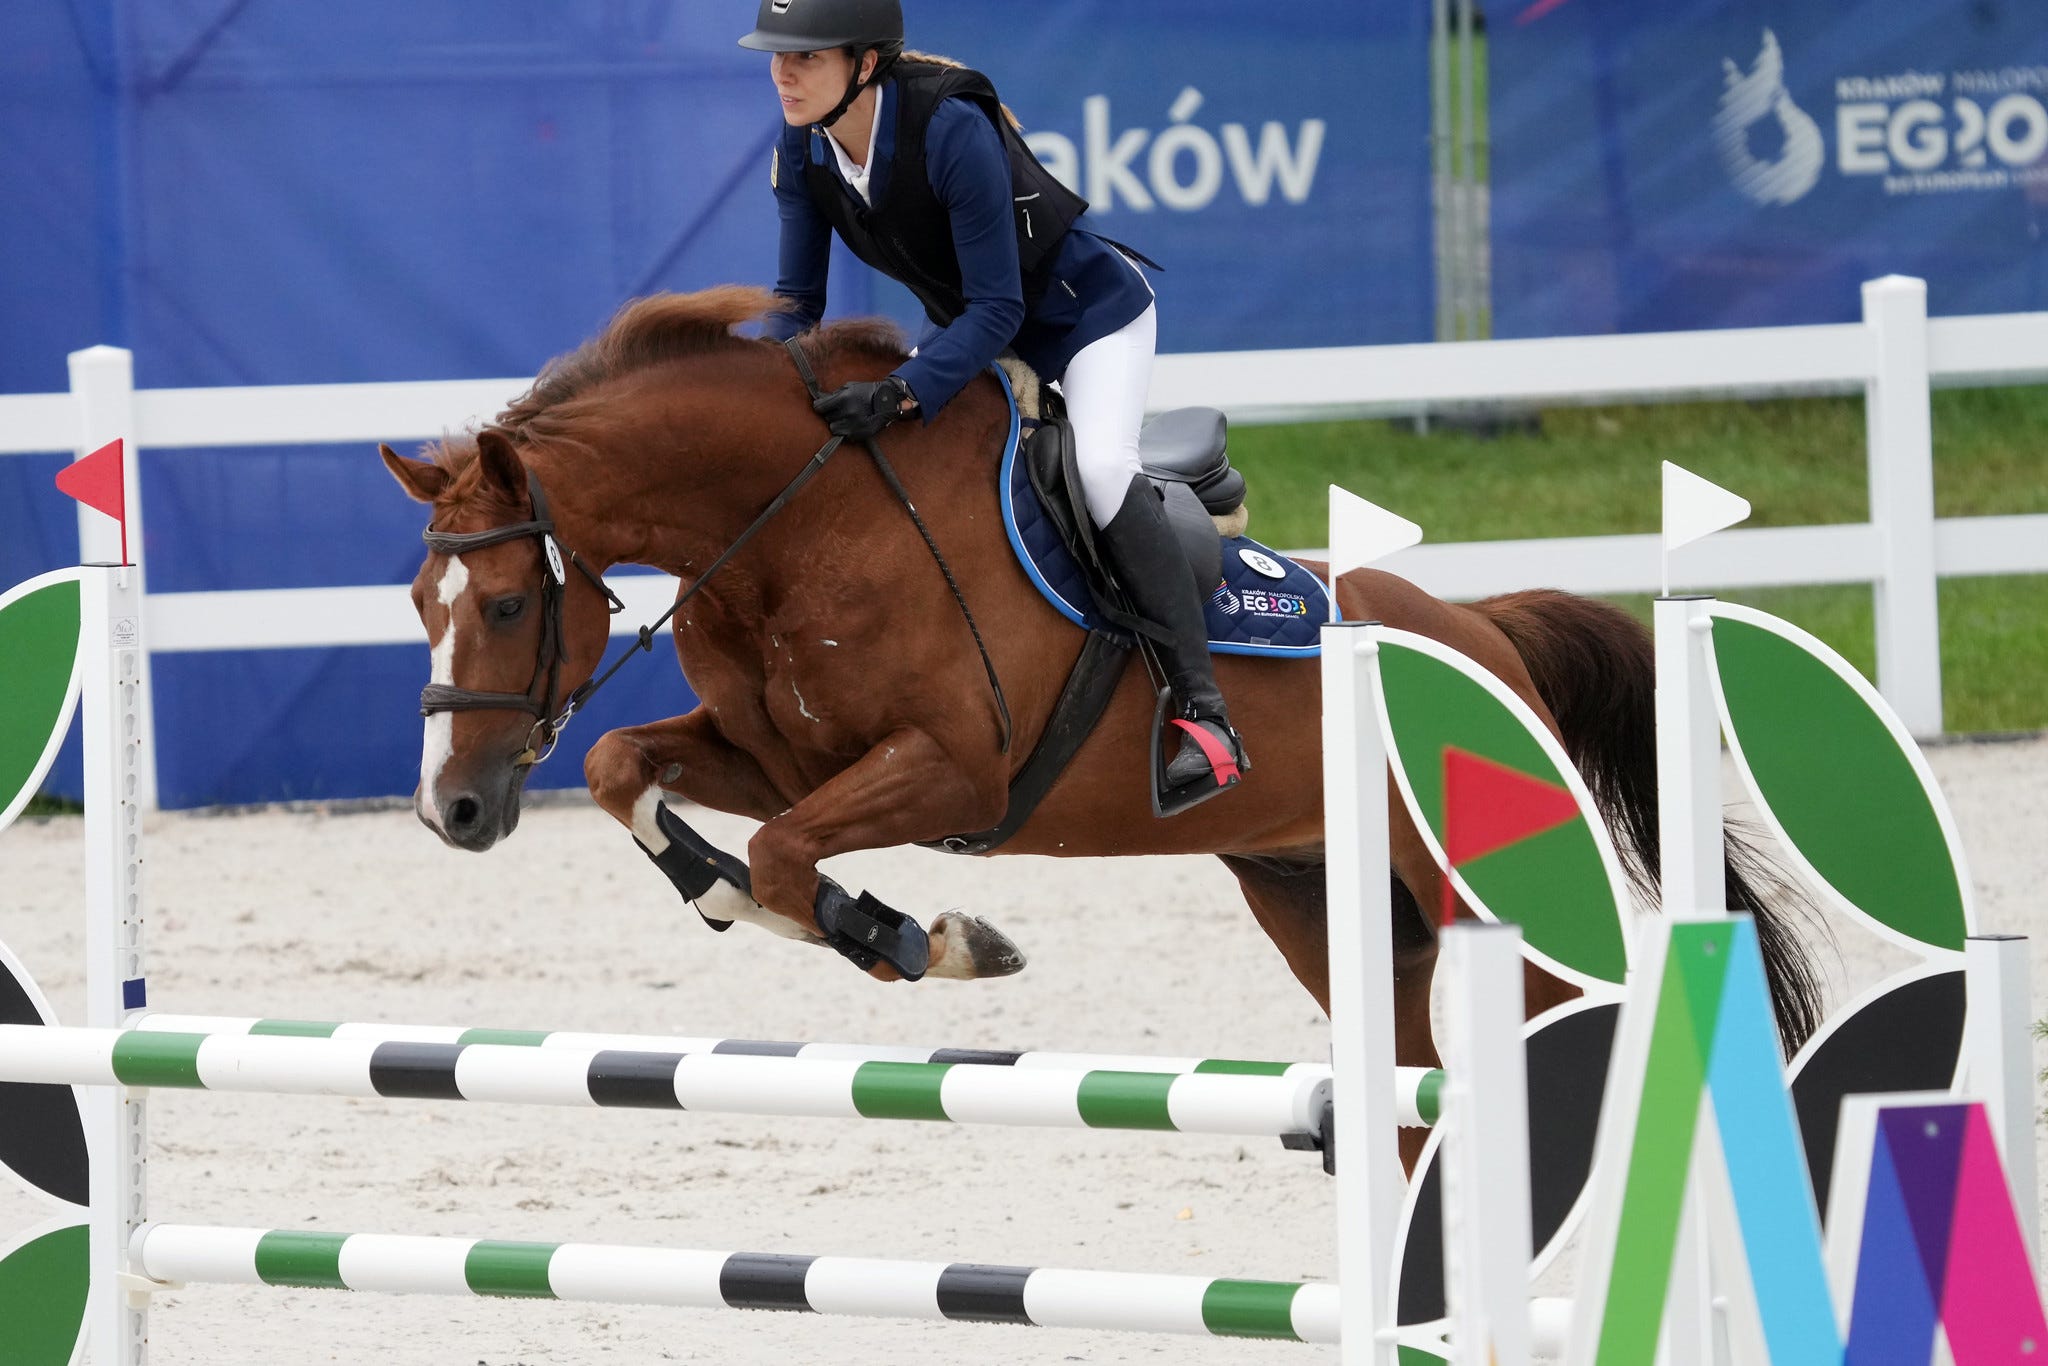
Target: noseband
[547, 669]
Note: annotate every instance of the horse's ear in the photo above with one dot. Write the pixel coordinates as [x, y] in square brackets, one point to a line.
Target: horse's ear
[498, 465]
[421, 480]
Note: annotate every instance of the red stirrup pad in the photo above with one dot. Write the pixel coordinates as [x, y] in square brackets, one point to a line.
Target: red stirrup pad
[1221, 761]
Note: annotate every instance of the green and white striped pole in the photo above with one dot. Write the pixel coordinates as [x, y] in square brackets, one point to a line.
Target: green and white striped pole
[1416, 1089]
[708, 1043]
[605, 1274]
[1189, 1102]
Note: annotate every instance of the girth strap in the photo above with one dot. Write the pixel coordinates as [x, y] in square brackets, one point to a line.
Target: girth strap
[1081, 704]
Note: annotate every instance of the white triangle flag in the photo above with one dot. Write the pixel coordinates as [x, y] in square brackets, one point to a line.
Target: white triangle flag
[1695, 509]
[1362, 532]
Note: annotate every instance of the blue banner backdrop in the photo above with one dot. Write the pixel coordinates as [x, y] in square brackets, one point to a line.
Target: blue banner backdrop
[263, 193]
[1719, 163]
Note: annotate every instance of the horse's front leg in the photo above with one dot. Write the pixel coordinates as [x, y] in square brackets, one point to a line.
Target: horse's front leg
[905, 789]
[631, 769]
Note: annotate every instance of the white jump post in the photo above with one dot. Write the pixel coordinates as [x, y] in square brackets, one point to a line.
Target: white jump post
[112, 662]
[1369, 1181]
[1690, 859]
[1690, 844]
[119, 785]
[2000, 1066]
[1486, 1176]
[103, 385]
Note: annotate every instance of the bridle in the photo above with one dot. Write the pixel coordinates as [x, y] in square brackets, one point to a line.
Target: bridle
[547, 668]
[548, 721]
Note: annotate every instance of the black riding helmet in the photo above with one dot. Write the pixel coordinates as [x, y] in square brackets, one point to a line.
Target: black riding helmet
[814, 25]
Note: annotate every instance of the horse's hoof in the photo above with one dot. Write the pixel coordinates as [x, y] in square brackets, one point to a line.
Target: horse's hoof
[966, 946]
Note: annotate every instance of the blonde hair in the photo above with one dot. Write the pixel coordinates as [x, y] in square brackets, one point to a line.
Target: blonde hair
[910, 55]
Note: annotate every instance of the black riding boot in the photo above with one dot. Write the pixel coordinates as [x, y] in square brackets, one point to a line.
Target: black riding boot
[1148, 561]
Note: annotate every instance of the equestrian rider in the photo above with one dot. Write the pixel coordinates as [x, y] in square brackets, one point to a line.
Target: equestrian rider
[919, 168]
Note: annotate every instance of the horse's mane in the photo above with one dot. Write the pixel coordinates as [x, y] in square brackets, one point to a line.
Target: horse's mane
[652, 331]
[666, 327]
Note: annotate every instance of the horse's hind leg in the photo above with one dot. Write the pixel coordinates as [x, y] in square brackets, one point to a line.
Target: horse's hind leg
[1291, 901]
[1416, 867]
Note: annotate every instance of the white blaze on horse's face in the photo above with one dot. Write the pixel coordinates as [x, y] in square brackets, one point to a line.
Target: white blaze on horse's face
[440, 728]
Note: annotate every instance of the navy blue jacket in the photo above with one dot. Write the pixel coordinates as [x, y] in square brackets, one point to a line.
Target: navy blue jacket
[1093, 290]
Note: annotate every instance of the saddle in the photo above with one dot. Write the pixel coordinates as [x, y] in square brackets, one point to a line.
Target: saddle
[1183, 453]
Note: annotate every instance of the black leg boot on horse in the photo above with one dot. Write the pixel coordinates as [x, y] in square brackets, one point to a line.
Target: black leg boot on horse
[1147, 560]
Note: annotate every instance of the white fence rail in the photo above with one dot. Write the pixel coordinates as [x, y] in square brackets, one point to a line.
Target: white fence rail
[1894, 356]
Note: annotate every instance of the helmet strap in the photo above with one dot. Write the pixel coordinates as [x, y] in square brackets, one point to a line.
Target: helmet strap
[884, 59]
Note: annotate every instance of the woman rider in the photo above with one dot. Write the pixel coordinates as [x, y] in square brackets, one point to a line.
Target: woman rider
[914, 162]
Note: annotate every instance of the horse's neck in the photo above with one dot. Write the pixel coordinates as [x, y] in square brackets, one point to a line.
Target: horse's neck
[624, 498]
[633, 500]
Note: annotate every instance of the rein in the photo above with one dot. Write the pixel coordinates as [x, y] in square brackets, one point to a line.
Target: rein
[888, 473]
[549, 723]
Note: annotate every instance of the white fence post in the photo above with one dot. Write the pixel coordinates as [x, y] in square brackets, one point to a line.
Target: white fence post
[103, 383]
[1901, 456]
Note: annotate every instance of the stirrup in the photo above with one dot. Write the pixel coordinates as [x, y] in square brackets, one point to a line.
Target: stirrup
[1227, 765]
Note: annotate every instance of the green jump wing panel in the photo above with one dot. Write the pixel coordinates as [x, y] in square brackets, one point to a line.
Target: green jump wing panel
[1502, 808]
[1839, 780]
[43, 1280]
[39, 625]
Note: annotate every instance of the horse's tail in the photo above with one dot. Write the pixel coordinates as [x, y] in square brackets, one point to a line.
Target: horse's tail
[1595, 668]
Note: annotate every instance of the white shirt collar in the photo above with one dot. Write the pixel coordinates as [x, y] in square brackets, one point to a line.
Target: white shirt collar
[857, 176]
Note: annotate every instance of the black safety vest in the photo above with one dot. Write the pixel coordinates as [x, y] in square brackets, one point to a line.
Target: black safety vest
[908, 235]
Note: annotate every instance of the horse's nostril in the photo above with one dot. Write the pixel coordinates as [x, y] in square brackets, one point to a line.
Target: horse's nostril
[463, 814]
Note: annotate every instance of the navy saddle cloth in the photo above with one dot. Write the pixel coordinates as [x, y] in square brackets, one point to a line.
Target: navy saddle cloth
[1266, 604]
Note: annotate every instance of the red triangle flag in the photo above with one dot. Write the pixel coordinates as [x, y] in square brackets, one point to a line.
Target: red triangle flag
[1488, 806]
[97, 481]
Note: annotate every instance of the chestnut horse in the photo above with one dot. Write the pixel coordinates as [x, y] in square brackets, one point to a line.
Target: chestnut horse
[844, 704]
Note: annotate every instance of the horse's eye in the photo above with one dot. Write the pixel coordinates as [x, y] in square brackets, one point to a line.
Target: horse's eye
[508, 609]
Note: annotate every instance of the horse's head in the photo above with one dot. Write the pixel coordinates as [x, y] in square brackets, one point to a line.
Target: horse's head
[512, 634]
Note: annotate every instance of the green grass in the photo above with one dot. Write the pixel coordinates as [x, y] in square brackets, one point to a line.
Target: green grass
[51, 806]
[1800, 462]
[1994, 642]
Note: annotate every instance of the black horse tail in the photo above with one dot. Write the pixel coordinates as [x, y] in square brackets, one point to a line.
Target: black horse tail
[1595, 667]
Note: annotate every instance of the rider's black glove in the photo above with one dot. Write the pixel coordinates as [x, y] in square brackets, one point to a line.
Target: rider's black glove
[859, 410]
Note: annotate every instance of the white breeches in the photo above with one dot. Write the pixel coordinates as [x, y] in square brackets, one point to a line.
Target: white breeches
[1105, 387]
